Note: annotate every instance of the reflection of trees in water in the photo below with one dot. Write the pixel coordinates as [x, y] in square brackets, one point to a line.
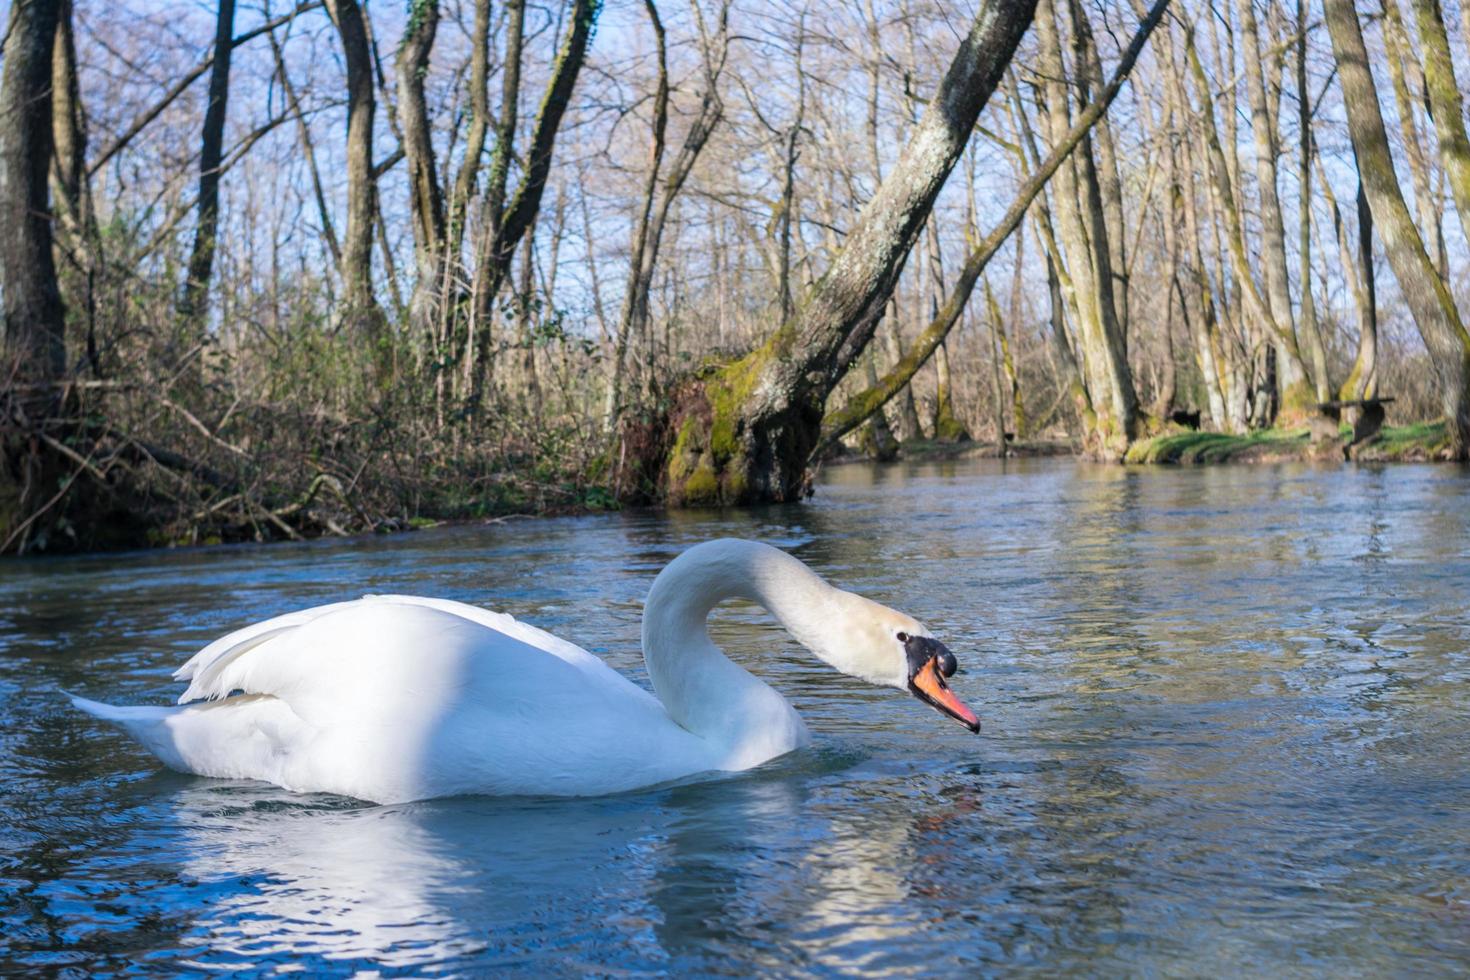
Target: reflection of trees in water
[1068, 825]
[781, 871]
[96, 889]
[714, 892]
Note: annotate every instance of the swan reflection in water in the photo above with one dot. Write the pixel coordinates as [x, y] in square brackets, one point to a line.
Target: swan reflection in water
[402, 886]
[680, 876]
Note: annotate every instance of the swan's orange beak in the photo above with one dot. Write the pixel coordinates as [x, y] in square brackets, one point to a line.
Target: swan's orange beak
[928, 685]
[930, 662]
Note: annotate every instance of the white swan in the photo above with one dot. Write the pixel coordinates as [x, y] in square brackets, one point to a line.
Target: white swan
[397, 698]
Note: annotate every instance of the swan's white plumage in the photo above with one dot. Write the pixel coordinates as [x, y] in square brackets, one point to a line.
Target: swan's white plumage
[392, 698]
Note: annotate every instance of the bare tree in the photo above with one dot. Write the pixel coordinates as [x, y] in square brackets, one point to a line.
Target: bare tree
[34, 323]
[361, 309]
[193, 303]
[838, 422]
[649, 229]
[426, 200]
[504, 224]
[1425, 292]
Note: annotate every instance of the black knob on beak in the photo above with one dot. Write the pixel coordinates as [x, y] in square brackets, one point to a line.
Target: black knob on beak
[947, 664]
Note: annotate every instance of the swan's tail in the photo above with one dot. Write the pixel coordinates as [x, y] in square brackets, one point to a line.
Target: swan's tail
[242, 737]
[147, 724]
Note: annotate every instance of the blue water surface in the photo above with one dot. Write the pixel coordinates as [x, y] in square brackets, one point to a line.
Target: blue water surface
[1226, 730]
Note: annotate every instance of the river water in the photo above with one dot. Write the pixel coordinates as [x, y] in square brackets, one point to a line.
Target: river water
[1226, 729]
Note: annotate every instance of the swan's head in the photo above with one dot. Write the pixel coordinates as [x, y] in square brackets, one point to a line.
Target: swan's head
[883, 646]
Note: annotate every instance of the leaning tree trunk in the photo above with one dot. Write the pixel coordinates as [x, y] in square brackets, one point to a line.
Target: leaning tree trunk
[1426, 294]
[504, 222]
[745, 431]
[860, 406]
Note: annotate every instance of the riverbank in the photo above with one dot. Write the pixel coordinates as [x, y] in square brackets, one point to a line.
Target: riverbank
[321, 514]
[920, 450]
[1416, 443]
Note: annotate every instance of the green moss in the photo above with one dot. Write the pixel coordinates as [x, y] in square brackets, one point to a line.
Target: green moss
[1422, 440]
[729, 393]
[736, 485]
[1297, 402]
[1349, 389]
[1217, 447]
[684, 448]
[701, 488]
[722, 439]
[947, 428]
[706, 464]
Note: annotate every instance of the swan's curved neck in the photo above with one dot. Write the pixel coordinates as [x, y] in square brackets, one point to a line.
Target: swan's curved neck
[702, 689]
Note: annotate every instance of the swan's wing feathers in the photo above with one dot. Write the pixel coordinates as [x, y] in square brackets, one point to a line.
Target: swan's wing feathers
[501, 623]
[242, 640]
[405, 654]
[391, 698]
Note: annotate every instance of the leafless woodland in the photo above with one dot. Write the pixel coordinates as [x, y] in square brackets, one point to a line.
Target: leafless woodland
[273, 271]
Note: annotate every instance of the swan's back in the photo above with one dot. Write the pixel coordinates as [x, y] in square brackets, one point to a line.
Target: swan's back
[393, 698]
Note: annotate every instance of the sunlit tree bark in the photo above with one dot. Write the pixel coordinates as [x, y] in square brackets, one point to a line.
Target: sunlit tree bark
[1295, 393]
[1087, 254]
[1446, 101]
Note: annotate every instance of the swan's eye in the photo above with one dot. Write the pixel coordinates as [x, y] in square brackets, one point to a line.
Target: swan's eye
[903, 637]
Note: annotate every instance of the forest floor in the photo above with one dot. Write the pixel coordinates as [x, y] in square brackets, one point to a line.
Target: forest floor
[1418, 442]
